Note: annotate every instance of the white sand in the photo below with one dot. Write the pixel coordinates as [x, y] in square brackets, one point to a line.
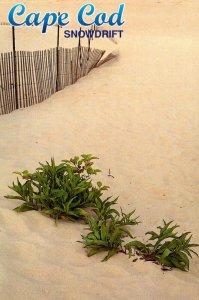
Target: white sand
[139, 114]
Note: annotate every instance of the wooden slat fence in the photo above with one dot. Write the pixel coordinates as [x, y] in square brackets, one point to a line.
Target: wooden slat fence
[35, 76]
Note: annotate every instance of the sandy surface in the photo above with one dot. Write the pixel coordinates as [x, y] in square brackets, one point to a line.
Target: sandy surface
[139, 114]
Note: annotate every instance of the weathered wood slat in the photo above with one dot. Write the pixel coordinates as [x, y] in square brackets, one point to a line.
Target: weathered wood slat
[36, 73]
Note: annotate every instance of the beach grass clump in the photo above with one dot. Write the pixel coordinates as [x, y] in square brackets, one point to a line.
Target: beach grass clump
[108, 228]
[60, 191]
[170, 250]
[66, 191]
[108, 233]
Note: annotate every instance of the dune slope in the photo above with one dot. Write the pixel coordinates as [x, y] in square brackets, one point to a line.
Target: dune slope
[139, 115]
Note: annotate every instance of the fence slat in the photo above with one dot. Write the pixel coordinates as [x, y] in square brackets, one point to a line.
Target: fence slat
[31, 77]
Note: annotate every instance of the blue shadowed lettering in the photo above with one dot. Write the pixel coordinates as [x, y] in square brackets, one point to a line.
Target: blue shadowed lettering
[46, 21]
[100, 19]
[14, 11]
[32, 19]
[83, 11]
[118, 16]
[61, 18]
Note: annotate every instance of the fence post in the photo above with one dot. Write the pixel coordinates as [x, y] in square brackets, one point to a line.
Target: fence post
[89, 44]
[15, 67]
[57, 79]
[78, 53]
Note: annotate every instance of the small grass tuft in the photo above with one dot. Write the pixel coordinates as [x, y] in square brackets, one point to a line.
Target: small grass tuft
[170, 249]
[106, 235]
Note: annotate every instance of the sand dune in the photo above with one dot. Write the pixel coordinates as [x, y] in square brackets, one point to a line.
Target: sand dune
[139, 115]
